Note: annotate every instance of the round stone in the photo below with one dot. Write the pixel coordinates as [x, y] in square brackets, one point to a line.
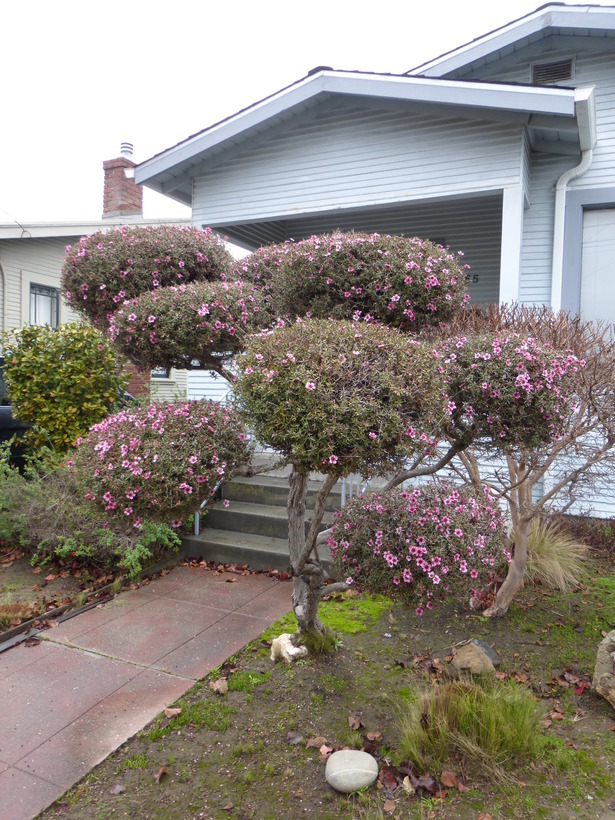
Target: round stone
[349, 770]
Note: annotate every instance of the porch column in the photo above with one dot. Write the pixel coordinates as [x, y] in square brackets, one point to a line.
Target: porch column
[510, 254]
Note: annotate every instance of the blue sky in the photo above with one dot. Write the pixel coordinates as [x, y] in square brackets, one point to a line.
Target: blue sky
[81, 77]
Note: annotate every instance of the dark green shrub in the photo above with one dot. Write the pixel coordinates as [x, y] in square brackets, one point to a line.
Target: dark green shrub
[61, 381]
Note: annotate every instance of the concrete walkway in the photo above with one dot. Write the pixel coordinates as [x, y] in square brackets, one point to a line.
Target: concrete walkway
[99, 677]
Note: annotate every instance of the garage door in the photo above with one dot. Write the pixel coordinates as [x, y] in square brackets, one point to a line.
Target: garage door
[598, 266]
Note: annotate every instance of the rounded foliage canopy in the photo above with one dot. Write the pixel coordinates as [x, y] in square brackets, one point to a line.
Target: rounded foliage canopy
[338, 397]
[407, 283]
[414, 543]
[61, 380]
[159, 462]
[103, 270]
[508, 388]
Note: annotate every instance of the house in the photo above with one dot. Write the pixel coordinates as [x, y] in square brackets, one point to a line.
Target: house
[503, 148]
[32, 255]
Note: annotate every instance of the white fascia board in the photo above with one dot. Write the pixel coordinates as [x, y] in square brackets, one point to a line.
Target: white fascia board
[500, 97]
[42, 230]
[598, 18]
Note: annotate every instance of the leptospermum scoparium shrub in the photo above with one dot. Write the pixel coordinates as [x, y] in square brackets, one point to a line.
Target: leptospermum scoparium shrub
[509, 388]
[338, 397]
[160, 462]
[172, 326]
[416, 544]
[103, 270]
[397, 281]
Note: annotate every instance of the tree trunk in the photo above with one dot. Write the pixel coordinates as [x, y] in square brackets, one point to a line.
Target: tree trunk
[521, 509]
[307, 574]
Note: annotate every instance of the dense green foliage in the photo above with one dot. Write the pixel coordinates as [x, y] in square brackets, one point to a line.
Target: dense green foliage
[337, 397]
[61, 381]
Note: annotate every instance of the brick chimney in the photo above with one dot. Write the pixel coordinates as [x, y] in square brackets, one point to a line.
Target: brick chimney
[122, 196]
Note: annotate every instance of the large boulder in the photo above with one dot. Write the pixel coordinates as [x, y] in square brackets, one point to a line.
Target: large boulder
[604, 671]
[471, 658]
[349, 770]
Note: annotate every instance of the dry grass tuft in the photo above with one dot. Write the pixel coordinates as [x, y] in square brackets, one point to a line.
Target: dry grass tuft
[554, 557]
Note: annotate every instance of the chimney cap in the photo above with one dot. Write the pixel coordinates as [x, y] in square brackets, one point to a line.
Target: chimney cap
[126, 149]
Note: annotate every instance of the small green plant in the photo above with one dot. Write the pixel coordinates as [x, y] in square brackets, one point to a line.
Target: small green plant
[137, 761]
[490, 725]
[213, 716]
[246, 681]
[554, 557]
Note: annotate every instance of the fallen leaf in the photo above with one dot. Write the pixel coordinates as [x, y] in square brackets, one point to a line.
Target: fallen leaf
[32, 641]
[50, 577]
[374, 736]
[483, 816]
[581, 687]
[545, 723]
[220, 686]
[325, 750]
[501, 675]
[36, 570]
[448, 779]
[389, 806]
[462, 787]
[231, 580]
[172, 712]
[315, 742]
[117, 789]
[355, 722]
[298, 794]
[160, 774]
[387, 778]
[228, 807]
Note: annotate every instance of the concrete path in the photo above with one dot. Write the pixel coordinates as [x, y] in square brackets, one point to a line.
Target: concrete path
[97, 678]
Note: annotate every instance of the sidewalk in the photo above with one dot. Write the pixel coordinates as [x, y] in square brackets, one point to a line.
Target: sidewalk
[99, 677]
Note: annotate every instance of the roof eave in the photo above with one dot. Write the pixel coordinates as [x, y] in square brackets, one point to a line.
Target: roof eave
[599, 18]
[490, 96]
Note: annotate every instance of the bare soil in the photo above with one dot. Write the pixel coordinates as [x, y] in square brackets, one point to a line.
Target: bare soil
[259, 750]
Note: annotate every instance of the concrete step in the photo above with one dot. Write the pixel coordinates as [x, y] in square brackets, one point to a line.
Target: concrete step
[258, 551]
[273, 491]
[256, 519]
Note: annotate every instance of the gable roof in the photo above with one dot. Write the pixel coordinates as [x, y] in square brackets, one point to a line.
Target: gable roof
[171, 171]
[586, 20]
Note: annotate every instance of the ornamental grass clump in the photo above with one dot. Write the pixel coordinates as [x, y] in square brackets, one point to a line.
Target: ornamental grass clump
[158, 463]
[407, 283]
[415, 544]
[103, 270]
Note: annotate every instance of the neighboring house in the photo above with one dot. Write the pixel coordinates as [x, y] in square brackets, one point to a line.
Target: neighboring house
[503, 148]
[32, 255]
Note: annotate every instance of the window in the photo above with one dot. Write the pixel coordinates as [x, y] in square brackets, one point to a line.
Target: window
[160, 373]
[44, 305]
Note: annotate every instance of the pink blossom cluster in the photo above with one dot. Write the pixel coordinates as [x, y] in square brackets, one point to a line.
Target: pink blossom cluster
[413, 543]
[158, 462]
[509, 388]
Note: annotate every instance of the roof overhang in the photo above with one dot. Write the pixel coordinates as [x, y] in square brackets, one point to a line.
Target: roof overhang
[540, 23]
[48, 230]
[171, 172]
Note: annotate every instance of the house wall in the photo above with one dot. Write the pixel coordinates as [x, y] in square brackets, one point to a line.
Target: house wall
[172, 388]
[356, 156]
[27, 261]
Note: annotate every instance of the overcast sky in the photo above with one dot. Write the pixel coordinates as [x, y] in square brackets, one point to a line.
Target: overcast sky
[80, 77]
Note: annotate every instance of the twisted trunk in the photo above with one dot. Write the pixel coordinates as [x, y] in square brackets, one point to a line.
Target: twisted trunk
[308, 574]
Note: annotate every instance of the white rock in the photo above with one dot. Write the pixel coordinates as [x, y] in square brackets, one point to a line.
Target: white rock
[348, 770]
[283, 648]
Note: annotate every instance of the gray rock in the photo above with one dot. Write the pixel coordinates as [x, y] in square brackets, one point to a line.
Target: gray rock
[604, 671]
[489, 651]
[471, 658]
[349, 770]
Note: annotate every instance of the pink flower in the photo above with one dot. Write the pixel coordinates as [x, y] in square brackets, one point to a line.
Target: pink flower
[151, 318]
[332, 459]
[310, 386]
[349, 580]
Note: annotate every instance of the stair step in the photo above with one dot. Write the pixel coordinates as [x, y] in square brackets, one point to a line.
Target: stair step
[257, 519]
[273, 490]
[257, 551]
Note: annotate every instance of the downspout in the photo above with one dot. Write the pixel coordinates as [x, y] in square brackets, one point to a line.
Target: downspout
[585, 112]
